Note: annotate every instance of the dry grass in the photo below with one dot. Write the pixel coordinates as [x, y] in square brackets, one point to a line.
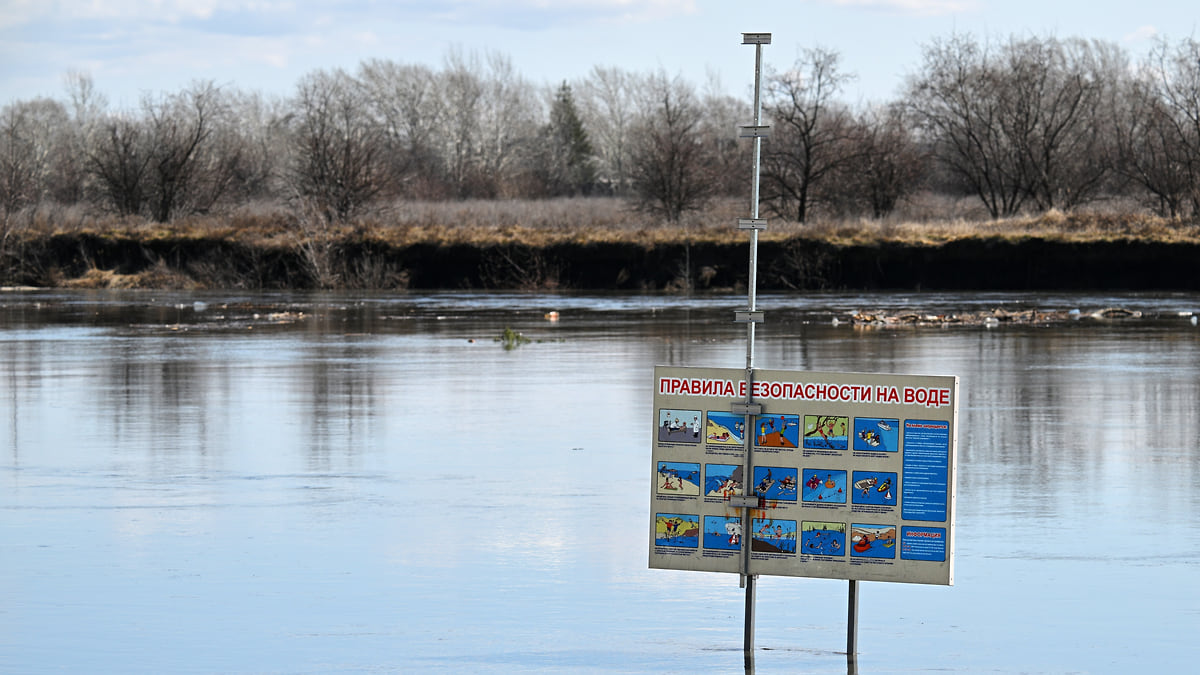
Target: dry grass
[597, 220]
[158, 276]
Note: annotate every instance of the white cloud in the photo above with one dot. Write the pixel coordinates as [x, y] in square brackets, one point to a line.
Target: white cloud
[18, 12]
[927, 7]
[533, 12]
[275, 59]
[366, 38]
[1142, 34]
[637, 6]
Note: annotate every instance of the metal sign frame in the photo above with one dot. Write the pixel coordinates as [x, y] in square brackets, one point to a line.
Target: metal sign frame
[853, 478]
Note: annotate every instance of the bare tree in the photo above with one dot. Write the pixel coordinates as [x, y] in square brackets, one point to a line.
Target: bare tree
[510, 121]
[179, 126]
[492, 116]
[811, 134]
[253, 142]
[1174, 77]
[406, 104]
[608, 109]
[1152, 146]
[886, 165]
[953, 97]
[86, 108]
[731, 157]
[338, 164]
[17, 175]
[1154, 158]
[238, 160]
[31, 135]
[1021, 124]
[462, 89]
[1050, 103]
[184, 153]
[671, 167]
[119, 159]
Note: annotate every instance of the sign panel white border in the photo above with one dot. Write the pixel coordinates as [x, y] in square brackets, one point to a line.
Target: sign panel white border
[857, 473]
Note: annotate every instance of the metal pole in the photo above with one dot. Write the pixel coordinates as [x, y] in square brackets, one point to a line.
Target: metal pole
[753, 280]
[852, 628]
[747, 579]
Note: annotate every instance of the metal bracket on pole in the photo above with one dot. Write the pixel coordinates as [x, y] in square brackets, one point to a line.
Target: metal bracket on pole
[747, 501]
[741, 316]
[754, 131]
[752, 223]
[745, 408]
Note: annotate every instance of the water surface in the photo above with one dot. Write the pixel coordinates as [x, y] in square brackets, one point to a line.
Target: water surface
[276, 483]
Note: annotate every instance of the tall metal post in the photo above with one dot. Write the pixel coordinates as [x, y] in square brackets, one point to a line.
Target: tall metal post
[752, 285]
[751, 317]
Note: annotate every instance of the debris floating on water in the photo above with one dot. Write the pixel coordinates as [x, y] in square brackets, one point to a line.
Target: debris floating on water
[988, 319]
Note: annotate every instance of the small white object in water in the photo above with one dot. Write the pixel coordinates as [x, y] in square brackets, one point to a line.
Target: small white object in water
[1193, 320]
[199, 306]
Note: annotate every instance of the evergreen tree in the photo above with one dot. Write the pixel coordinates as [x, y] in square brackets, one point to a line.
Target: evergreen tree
[569, 167]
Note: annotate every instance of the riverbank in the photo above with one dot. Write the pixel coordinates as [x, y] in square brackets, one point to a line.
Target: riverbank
[1045, 253]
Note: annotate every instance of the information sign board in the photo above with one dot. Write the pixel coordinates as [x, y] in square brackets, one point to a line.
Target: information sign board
[856, 474]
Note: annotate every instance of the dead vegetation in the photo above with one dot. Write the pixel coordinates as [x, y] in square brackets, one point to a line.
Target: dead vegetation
[513, 239]
[157, 276]
[584, 220]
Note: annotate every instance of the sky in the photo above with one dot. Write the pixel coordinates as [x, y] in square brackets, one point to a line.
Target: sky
[131, 48]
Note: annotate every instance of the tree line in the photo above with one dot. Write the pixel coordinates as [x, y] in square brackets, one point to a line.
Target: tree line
[1022, 124]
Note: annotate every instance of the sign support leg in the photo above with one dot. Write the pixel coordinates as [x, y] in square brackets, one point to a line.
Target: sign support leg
[749, 631]
[852, 628]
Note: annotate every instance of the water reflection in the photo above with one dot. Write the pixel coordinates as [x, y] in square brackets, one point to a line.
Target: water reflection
[274, 481]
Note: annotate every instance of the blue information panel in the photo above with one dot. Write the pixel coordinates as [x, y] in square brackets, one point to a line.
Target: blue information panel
[926, 476]
[923, 543]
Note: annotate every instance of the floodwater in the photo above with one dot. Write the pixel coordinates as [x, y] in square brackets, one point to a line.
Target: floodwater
[257, 483]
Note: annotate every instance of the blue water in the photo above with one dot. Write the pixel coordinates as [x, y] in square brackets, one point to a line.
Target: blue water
[824, 486]
[824, 540]
[716, 476]
[371, 483]
[873, 548]
[884, 432]
[719, 541]
[775, 482]
[719, 535]
[825, 443]
[730, 424]
[882, 492]
[776, 535]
